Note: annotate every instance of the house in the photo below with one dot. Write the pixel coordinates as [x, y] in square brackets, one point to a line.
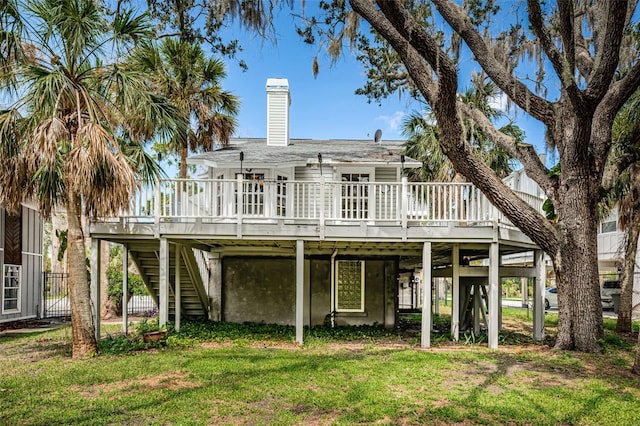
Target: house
[611, 240]
[308, 232]
[21, 264]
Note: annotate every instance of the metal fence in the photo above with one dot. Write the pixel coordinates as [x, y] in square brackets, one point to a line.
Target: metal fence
[56, 295]
[58, 305]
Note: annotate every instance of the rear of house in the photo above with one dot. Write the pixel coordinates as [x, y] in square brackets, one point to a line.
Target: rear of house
[21, 264]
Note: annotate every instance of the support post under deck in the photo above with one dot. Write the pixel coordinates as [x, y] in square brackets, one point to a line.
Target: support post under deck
[494, 299]
[299, 291]
[125, 289]
[163, 309]
[538, 296]
[425, 340]
[95, 285]
[178, 310]
[455, 292]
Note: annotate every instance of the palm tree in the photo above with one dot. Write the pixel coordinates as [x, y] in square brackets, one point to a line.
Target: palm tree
[71, 134]
[423, 134]
[192, 82]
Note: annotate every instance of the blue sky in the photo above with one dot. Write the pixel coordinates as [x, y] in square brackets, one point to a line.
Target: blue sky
[324, 107]
[321, 107]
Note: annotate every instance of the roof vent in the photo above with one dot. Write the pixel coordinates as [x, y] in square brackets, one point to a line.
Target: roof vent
[278, 101]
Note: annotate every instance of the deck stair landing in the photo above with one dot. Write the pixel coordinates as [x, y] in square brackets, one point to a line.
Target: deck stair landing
[146, 257]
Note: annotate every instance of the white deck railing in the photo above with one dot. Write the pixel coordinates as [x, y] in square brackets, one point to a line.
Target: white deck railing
[373, 202]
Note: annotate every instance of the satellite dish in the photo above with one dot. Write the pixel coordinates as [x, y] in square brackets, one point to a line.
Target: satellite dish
[377, 136]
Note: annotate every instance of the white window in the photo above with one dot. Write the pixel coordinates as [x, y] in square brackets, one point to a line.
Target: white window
[349, 286]
[11, 289]
[281, 196]
[253, 193]
[609, 227]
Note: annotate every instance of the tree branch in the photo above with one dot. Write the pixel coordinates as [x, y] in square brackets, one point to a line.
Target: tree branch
[525, 153]
[613, 20]
[584, 61]
[445, 109]
[538, 107]
[564, 65]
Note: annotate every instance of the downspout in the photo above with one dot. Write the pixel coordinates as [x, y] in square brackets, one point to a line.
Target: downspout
[332, 313]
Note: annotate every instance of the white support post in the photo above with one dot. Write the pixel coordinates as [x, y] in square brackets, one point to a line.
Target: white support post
[477, 306]
[178, 300]
[524, 291]
[425, 340]
[164, 282]
[455, 292]
[125, 289]
[404, 203]
[321, 207]
[215, 286]
[240, 205]
[95, 285]
[156, 209]
[299, 291]
[494, 299]
[437, 296]
[538, 296]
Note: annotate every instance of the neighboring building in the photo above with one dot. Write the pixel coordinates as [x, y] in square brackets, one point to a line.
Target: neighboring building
[308, 232]
[21, 264]
[611, 241]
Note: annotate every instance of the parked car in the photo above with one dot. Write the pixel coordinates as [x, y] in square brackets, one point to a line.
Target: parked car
[609, 289]
[551, 298]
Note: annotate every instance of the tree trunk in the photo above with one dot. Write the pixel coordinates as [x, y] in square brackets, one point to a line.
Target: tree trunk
[82, 329]
[576, 262]
[626, 295]
[636, 364]
[184, 151]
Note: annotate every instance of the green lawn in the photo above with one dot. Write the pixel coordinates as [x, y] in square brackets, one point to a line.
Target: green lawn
[254, 374]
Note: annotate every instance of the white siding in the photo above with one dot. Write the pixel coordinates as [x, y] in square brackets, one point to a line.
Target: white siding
[277, 116]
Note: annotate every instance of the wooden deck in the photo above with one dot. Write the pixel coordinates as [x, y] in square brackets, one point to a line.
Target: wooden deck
[372, 212]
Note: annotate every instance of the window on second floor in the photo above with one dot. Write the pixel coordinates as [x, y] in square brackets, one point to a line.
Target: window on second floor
[606, 227]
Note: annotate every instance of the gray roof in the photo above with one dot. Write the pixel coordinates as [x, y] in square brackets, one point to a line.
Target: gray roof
[305, 151]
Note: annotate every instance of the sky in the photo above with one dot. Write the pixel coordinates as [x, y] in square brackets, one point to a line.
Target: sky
[322, 107]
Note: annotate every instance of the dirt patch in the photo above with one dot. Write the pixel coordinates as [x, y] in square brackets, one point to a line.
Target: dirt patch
[174, 381]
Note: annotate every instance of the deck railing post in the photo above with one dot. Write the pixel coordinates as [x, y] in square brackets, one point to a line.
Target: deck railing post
[156, 207]
[404, 197]
[240, 204]
[321, 207]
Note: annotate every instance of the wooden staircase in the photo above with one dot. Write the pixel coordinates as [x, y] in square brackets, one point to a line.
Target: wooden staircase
[146, 257]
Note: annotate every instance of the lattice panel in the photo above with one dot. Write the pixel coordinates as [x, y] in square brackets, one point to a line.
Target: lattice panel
[12, 239]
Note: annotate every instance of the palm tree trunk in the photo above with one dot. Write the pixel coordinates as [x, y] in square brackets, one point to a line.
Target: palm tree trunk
[82, 330]
[184, 151]
[626, 295]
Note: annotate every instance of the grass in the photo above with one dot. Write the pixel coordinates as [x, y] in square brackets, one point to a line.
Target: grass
[255, 374]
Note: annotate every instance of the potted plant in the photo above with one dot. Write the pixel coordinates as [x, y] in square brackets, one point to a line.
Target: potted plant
[151, 331]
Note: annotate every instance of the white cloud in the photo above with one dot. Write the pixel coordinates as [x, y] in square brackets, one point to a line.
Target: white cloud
[392, 121]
